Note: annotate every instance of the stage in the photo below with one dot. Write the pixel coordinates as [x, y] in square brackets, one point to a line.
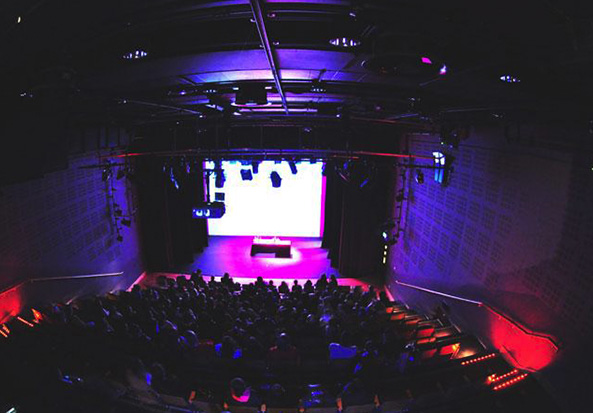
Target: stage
[233, 255]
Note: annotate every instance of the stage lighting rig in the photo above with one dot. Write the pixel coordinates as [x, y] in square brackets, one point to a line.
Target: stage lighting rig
[356, 172]
[219, 172]
[106, 173]
[220, 179]
[251, 95]
[388, 234]
[255, 167]
[173, 178]
[209, 210]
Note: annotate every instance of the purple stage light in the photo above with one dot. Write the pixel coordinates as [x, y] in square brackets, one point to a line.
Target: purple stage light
[443, 70]
[426, 60]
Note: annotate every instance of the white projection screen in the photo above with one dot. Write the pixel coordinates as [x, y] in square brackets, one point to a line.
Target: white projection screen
[256, 208]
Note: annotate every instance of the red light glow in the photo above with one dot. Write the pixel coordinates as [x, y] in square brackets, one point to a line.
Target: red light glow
[11, 303]
[478, 359]
[25, 322]
[493, 378]
[509, 383]
[38, 316]
[525, 349]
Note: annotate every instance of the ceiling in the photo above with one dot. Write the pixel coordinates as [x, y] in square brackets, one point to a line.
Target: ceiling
[67, 58]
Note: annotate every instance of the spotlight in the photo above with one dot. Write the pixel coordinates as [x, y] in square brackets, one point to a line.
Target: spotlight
[126, 222]
[220, 179]
[389, 238]
[419, 177]
[344, 42]
[356, 172]
[426, 60]
[276, 180]
[293, 167]
[134, 55]
[173, 178]
[106, 174]
[255, 167]
[443, 70]
[510, 79]
[251, 95]
[318, 87]
[246, 175]
[450, 136]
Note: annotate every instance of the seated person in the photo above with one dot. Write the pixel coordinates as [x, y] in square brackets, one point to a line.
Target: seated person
[283, 288]
[283, 352]
[228, 349]
[242, 395]
[345, 349]
[296, 288]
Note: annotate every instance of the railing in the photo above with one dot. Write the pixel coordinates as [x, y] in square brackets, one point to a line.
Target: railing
[67, 277]
[11, 300]
[528, 352]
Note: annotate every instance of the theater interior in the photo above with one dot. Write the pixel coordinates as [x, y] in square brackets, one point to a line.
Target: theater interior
[296, 206]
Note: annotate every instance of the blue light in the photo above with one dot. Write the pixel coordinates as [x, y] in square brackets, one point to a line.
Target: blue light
[510, 79]
[344, 42]
[443, 70]
[439, 161]
[136, 54]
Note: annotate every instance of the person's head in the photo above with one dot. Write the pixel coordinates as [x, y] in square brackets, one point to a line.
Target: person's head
[346, 339]
[239, 390]
[191, 338]
[283, 342]
[158, 371]
[228, 347]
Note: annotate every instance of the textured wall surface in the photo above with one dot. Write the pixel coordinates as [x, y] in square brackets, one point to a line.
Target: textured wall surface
[61, 225]
[514, 227]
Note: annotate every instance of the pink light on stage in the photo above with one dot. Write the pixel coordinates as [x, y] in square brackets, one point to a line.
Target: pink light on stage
[426, 60]
[256, 208]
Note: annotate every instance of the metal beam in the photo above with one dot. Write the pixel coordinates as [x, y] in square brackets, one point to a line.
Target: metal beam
[258, 16]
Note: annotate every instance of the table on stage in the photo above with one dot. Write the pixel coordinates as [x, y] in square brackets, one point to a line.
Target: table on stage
[271, 245]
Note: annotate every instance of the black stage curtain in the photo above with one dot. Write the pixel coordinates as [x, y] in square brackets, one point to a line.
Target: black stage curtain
[170, 235]
[353, 217]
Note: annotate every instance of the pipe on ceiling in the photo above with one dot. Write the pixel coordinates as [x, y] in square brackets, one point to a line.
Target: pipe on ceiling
[265, 41]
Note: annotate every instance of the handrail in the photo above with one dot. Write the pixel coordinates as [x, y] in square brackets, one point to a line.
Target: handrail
[499, 313]
[66, 277]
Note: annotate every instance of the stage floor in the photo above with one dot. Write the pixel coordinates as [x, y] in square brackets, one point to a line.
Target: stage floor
[232, 255]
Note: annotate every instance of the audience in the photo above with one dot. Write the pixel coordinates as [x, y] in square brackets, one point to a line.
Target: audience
[185, 324]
